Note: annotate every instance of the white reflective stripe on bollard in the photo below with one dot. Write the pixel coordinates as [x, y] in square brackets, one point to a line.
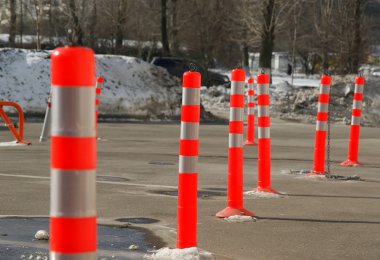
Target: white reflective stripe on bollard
[70, 110]
[72, 193]
[235, 140]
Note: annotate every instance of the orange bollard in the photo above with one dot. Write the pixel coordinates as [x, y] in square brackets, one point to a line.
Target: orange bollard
[188, 160]
[235, 150]
[353, 146]
[320, 132]
[264, 155]
[98, 91]
[250, 115]
[73, 155]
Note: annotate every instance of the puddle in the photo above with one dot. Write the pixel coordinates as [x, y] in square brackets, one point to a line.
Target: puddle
[17, 240]
[201, 194]
[138, 220]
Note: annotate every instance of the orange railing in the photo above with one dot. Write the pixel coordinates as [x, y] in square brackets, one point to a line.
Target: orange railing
[18, 135]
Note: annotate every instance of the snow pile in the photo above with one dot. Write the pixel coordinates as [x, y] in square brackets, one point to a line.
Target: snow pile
[215, 97]
[262, 194]
[132, 87]
[300, 102]
[240, 219]
[191, 253]
[42, 235]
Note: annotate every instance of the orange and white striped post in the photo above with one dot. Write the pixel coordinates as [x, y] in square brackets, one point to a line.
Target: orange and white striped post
[188, 161]
[321, 128]
[264, 155]
[98, 91]
[353, 146]
[250, 139]
[73, 155]
[235, 150]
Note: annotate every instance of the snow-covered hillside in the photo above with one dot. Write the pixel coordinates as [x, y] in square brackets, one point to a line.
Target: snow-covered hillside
[132, 87]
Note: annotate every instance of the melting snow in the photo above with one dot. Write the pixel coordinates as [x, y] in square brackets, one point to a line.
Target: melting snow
[239, 219]
[191, 253]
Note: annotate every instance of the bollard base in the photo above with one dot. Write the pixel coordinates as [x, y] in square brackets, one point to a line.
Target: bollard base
[267, 189]
[315, 174]
[349, 162]
[249, 143]
[24, 142]
[228, 212]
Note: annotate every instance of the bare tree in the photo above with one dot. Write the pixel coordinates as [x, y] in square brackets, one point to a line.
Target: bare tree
[92, 23]
[173, 26]
[21, 23]
[76, 33]
[323, 20]
[271, 18]
[35, 9]
[120, 21]
[12, 23]
[164, 33]
[298, 5]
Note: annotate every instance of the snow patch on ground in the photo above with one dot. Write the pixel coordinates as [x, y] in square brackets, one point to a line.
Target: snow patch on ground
[42, 235]
[262, 194]
[192, 253]
[240, 219]
[13, 143]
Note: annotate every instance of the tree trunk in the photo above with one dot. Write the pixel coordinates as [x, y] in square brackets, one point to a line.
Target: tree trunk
[267, 36]
[164, 33]
[119, 25]
[357, 38]
[174, 45]
[76, 37]
[245, 57]
[38, 16]
[12, 24]
[92, 25]
[325, 58]
[21, 31]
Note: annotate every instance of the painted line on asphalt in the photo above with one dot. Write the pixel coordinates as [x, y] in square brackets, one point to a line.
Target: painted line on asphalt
[102, 182]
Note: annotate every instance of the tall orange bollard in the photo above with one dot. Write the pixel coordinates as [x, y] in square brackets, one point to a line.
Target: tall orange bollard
[235, 150]
[98, 91]
[250, 115]
[321, 128]
[73, 155]
[264, 155]
[188, 161]
[353, 146]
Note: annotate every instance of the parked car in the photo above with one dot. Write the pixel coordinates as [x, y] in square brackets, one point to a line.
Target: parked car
[177, 66]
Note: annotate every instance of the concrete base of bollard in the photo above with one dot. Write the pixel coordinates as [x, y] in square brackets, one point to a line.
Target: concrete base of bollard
[228, 212]
[249, 143]
[349, 162]
[191, 253]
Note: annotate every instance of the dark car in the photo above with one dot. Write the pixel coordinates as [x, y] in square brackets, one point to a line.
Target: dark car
[177, 66]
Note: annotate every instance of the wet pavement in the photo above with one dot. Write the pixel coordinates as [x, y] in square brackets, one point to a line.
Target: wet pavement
[17, 240]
